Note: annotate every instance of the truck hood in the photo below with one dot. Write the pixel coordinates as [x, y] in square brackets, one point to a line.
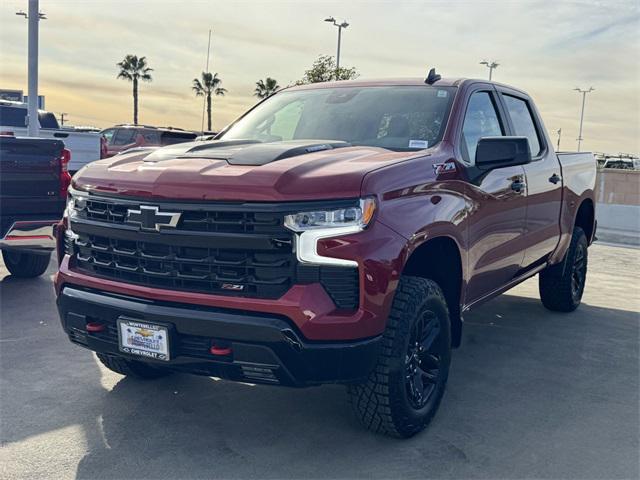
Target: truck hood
[240, 171]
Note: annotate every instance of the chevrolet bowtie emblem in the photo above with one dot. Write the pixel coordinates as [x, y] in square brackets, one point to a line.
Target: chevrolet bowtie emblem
[150, 218]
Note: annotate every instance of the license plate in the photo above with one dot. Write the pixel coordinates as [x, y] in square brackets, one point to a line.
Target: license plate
[144, 339]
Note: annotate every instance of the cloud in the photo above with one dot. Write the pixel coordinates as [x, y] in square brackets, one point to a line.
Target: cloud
[544, 47]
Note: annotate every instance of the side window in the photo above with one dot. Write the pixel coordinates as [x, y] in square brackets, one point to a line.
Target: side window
[48, 120]
[523, 123]
[151, 137]
[13, 116]
[124, 136]
[481, 120]
[108, 135]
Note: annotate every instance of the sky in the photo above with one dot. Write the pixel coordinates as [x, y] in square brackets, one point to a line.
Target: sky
[547, 48]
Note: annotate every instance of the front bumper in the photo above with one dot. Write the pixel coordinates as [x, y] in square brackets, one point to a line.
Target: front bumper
[307, 307]
[30, 235]
[265, 348]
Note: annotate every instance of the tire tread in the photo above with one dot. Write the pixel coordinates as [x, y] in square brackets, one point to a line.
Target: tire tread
[373, 400]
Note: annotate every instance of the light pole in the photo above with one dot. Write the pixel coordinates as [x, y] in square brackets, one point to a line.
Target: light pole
[34, 16]
[490, 65]
[340, 26]
[584, 97]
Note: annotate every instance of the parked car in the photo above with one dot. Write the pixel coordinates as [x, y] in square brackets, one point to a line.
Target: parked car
[124, 137]
[33, 191]
[84, 145]
[335, 233]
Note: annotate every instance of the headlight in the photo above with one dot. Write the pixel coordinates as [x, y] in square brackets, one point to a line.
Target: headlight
[356, 216]
[75, 203]
[312, 226]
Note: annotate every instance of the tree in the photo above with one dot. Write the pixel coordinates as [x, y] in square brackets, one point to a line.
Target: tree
[267, 88]
[210, 85]
[324, 70]
[134, 69]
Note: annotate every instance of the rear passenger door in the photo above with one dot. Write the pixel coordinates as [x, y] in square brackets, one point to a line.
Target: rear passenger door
[543, 178]
[498, 204]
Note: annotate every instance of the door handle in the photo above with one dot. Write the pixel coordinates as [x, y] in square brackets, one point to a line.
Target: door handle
[518, 186]
[555, 178]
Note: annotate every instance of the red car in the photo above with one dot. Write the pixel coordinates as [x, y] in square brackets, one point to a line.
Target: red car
[336, 232]
[123, 137]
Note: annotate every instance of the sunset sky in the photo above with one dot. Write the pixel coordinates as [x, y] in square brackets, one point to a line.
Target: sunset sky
[545, 47]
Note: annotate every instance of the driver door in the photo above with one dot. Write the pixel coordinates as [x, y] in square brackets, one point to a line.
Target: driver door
[498, 203]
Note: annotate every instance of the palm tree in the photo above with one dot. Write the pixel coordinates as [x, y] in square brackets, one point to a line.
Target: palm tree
[134, 69]
[267, 88]
[210, 85]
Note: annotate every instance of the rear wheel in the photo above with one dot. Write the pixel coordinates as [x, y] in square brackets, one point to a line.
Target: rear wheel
[132, 368]
[403, 392]
[561, 286]
[26, 264]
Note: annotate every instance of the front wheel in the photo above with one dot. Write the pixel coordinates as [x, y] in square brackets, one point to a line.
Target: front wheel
[403, 392]
[561, 286]
[26, 264]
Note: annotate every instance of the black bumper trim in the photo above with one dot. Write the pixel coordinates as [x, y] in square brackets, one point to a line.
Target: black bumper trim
[266, 348]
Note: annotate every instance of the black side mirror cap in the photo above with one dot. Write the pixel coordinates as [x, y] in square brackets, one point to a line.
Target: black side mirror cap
[497, 152]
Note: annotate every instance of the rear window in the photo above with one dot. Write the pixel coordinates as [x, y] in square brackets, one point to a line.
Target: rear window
[13, 116]
[17, 117]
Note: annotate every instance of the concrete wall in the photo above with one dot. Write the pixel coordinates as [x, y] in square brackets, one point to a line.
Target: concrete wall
[618, 206]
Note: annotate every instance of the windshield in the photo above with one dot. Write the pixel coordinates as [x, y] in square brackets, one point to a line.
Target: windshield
[397, 118]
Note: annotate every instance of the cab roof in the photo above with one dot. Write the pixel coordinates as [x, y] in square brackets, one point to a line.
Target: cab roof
[389, 82]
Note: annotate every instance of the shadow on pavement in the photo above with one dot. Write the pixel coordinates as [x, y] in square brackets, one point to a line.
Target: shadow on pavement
[529, 397]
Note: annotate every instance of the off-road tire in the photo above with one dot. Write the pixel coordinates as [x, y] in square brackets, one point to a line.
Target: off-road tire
[24, 264]
[382, 402]
[557, 283]
[132, 368]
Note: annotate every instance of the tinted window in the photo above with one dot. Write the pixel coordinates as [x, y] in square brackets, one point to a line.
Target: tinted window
[481, 120]
[108, 135]
[397, 118]
[150, 137]
[13, 117]
[124, 136]
[523, 122]
[169, 138]
[48, 120]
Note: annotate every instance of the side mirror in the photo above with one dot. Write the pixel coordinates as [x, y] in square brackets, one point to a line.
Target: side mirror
[497, 152]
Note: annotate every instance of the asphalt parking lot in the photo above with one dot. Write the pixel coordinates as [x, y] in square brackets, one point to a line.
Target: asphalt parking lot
[532, 394]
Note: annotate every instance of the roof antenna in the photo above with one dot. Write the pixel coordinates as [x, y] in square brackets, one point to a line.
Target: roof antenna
[433, 77]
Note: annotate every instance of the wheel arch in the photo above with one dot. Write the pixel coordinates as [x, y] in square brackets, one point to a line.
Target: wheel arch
[585, 218]
[440, 259]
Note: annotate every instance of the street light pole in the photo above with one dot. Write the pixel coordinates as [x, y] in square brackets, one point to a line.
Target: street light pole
[340, 26]
[490, 65]
[584, 97]
[33, 16]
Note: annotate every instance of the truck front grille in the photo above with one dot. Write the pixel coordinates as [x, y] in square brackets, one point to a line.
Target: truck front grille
[209, 270]
[223, 249]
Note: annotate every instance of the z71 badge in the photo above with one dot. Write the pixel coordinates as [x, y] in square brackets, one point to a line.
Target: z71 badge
[444, 167]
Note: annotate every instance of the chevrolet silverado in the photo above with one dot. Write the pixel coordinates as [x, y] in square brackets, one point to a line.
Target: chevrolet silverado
[335, 233]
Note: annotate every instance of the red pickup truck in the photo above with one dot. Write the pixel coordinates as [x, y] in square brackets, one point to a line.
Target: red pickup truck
[336, 232]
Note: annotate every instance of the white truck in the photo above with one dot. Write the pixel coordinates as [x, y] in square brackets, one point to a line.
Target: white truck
[85, 146]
